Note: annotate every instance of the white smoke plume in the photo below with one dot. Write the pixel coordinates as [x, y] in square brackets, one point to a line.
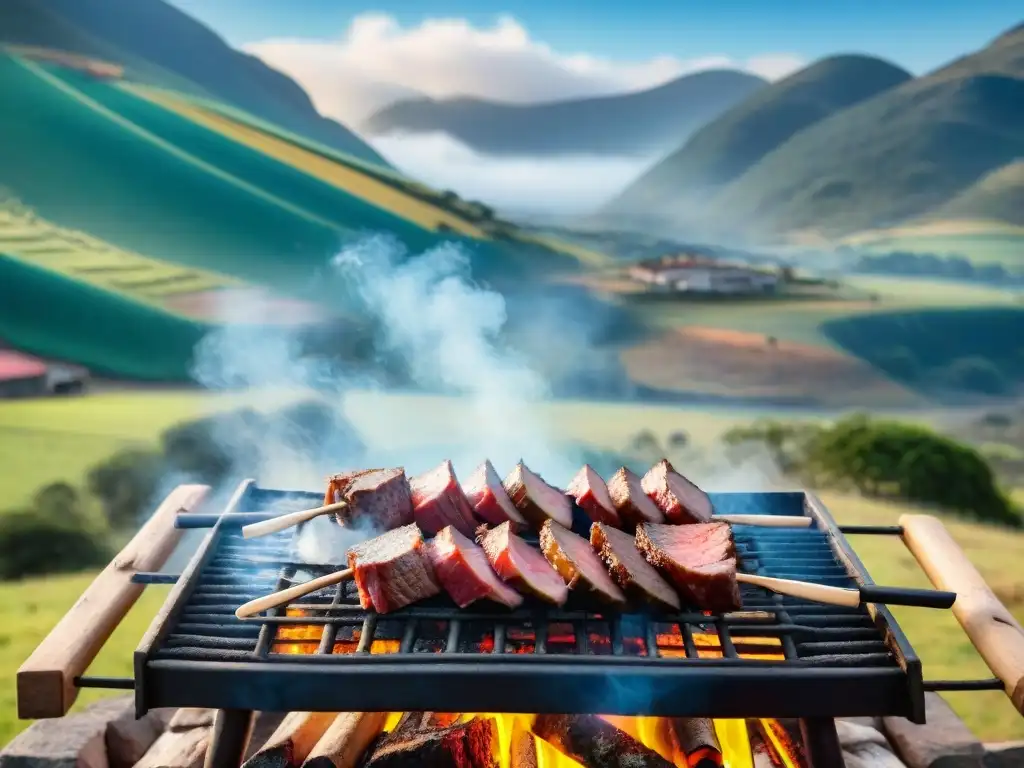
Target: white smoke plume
[447, 330]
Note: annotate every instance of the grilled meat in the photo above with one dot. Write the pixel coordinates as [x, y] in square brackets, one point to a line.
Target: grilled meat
[577, 564]
[680, 500]
[393, 570]
[379, 498]
[629, 569]
[591, 494]
[438, 501]
[632, 504]
[699, 559]
[522, 566]
[489, 499]
[535, 499]
[463, 570]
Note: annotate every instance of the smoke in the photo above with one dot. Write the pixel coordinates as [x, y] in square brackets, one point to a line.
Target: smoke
[565, 185]
[446, 329]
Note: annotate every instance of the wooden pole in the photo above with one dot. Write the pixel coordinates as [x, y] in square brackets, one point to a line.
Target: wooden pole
[992, 629]
[46, 681]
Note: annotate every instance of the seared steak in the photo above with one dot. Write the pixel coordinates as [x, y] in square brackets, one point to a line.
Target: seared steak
[393, 570]
[535, 499]
[577, 564]
[488, 498]
[591, 494]
[629, 569]
[630, 501]
[522, 566]
[438, 501]
[696, 561]
[378, 498]
[463, 570]
[680, 500]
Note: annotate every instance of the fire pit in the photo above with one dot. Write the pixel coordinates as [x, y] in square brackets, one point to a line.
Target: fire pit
[672, 687]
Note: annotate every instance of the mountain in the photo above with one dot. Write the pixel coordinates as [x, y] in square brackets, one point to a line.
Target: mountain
[997, 196]
[638, 123]
[184, 55]
[726, 148]
[897, 156]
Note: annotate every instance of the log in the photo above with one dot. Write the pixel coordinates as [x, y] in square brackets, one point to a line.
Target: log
[785, 733]
[596, 743]
[292, 741]
[695, 738]
[187, 718]
[522, 748]
[178, 749]
[472, 744]
[345, 741]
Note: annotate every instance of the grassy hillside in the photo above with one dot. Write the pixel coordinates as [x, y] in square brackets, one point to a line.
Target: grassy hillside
[894, 157]
[34, 606]
[641, 122]
[184, 55]
[900, 154]
[998, 195]
[727, 147]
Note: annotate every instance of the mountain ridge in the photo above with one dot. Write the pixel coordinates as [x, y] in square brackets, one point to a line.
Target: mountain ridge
[632, 123]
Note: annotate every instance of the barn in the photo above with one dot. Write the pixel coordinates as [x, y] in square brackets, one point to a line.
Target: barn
[23, 375]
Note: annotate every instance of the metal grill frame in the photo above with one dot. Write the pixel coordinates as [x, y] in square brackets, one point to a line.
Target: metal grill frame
[538, 683]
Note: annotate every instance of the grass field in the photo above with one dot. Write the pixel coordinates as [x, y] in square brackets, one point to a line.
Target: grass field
[51, 439]
[79, 256]
[981, 242]
[29, 609]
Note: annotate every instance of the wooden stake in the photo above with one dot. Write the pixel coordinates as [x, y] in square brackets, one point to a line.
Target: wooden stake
[294, 739]
[275, 524]
[275, 599]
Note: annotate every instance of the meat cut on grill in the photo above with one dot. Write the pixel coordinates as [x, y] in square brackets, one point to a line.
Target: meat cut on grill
[680, 500]
[393, 570]
[591, 494]
[577, 563]
[699, 559]
[438, 501]
[522, 566]
[489, 499]
[632, 504]
[377, 498]
[465, 573]
[628, 568]
[535, 499]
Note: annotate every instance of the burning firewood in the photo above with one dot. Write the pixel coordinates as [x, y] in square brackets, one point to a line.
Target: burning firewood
[782, 741]
[695, 738]
[472, 744]
[522, 748]
[596, 743]
[345, 741]
[294, 739]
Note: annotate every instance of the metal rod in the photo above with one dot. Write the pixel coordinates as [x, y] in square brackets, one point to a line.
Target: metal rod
[230, 738]
[821, 742]
[118, 683]
[989, 684]
[149, 577]
[872, 530]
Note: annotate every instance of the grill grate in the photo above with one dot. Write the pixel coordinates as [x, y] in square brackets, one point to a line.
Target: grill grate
[327, 651]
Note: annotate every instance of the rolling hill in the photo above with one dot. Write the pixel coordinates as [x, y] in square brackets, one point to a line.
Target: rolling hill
[639, 123]
[725, 148]
[185, 55]
[894, 157]
[998, 195]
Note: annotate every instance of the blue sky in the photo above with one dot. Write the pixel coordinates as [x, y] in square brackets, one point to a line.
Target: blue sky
[918, 34]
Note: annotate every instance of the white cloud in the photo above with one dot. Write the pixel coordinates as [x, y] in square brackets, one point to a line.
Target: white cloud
[559, 185]
[377, 61]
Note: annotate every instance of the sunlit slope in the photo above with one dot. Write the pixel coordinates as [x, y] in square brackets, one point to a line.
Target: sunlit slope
[54, 316]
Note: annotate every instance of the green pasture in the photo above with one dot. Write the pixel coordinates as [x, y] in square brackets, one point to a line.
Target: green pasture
[982, 248]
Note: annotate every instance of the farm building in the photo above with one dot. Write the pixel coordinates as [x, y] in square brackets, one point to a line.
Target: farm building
[22, 375]
[690, 274]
